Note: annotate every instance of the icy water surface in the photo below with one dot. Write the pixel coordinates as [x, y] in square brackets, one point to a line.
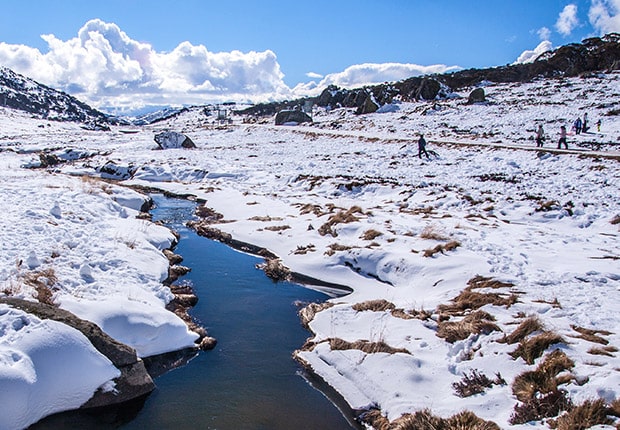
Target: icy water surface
[250, 380]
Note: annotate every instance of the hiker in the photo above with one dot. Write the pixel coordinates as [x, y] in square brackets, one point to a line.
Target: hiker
[598, 125]
[584, 126]
[562, 138]
[577, 126]
[540, 136]
[422, 147]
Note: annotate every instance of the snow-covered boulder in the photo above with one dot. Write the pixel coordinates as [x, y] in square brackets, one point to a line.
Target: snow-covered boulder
[173, 139]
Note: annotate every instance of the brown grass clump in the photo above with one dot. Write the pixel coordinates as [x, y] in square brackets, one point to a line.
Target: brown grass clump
[527, 327]
[615, 220]
[366, 346]
[485, 282]
[590, 413]
[266, 218]
[275, 270]
[606, 350]
[42, 281]
[277, 227]
[533, 347]
[476, 383]
[470, 300]
[307, 313]
[431, 233]
[371, 234]
[425, 420]
[412, 314]
[475, 323]
[591, 335]
[542, 380]
[379, 305]
[545, 406]
[310, 208]
[450, 246]
[341, 217]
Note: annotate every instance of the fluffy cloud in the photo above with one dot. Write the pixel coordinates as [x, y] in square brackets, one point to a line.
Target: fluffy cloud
[530, 56]
[567, 20]
[604, 15]
[373, 73]
[104, 66]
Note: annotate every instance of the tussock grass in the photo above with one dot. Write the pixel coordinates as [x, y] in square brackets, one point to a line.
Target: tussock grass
[208, 214]
[371, 234]
[42, 281]
[476, 383]
[366, 346]
[533, 347]
[591, 335]
[450, 246]
[543, 379]
[277, 227]
[606, 350]
[307, 313]
[475, 323]
[379, 305]
[266, 218]
[412, 314]
[340, 217]
[431, 233]
[526, 328]
[275, 270]
[425, 420]
[545, 406]
[335, 247]
[303, 250]
[471, 300]
[589, 414]
[485, 282]
[310, 208]
[615, 220]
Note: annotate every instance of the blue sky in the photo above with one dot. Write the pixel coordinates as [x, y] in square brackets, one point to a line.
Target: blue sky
[267, 48]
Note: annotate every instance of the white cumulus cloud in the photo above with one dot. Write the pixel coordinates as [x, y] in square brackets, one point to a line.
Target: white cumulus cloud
[531, 55]
[376, 73]
[604, 15]
[104, 66]
[567, 21]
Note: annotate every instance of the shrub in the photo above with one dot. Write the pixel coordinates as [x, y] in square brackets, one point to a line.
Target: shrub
[545, 406]
[531, 348]
[476, 383]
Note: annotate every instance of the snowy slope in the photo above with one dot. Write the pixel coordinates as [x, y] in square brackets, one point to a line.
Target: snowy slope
[543, 222]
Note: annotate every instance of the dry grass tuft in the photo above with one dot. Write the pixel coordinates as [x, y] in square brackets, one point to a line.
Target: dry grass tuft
[606, 350]
[470, 300]
[542, 380]
[275, 270]
[431, 233]
[475, 323]
[371, 234]
[266, 218]
[379, 305]
[366, 346]
[42, 281]
[533, 347]
[589, 414]
[307, 313]
[341, 217]
[412, 314]
[526, 328]
[450, 246]
[485, 282]
[425, 420]
[545, 406]
[615, 220]
[277, 227]
[591, 335]
[476, 383]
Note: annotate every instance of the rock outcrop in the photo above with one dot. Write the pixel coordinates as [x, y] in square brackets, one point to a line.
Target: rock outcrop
[476, 96]
[173, 139]
[134, 382]
[292, 116]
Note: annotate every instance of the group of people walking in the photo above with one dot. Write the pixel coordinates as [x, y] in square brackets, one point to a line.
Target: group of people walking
[579, 126]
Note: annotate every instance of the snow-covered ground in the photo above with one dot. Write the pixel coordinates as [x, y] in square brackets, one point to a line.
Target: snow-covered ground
[348, 201]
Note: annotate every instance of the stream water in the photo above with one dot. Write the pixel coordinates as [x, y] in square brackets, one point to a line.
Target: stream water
[250, 380]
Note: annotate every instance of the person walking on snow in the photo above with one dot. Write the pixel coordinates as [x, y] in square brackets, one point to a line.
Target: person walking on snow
[584, 126]
[562, 138]
[422, 147]
[540, 136]
[577, 126]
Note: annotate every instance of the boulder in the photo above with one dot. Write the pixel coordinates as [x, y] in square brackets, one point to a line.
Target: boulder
[292, 116]
[134, 382]
[173, 139]
[476, 96]
[369, 106]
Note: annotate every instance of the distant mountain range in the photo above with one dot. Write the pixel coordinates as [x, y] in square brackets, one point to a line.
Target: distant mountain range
[592, 55]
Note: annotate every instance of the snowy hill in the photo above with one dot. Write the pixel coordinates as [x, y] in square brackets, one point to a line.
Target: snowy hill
[20, 92]
[493, 259]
